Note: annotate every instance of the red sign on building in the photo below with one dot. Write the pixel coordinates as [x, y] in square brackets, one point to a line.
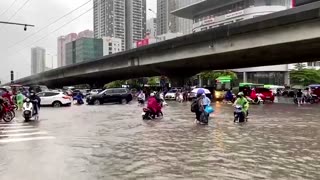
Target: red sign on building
[143, 42]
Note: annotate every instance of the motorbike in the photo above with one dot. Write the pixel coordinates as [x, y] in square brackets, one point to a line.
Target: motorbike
[78, 101]
[148, 114]
[239, 114]
[28, 110]
[6, 112]
[312, 99]
[257, 101]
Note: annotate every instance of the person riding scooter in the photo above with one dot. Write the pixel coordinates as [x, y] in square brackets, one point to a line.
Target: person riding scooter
[79, 99]
[35, 99]
[242, 101]
[153, 105]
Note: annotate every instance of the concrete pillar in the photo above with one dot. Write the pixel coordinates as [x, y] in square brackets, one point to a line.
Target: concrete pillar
[245, 79]
[287, 78]
[200, 84]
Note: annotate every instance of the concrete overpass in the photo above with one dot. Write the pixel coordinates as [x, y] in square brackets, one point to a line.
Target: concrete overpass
[285, 37]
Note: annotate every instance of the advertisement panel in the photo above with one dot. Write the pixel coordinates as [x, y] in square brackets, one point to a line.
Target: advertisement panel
[143, 42]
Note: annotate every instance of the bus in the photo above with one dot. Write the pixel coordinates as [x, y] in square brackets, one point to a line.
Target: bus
[223, 84]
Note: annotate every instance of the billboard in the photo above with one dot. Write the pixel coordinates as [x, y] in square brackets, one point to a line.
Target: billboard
[143, 42]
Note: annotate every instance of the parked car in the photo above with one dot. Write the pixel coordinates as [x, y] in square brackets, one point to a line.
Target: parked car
[116, 95]
[268, 95]
[55, 99]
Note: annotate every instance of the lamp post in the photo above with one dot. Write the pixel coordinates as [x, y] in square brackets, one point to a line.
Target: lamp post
[153, 12]
[18, 24]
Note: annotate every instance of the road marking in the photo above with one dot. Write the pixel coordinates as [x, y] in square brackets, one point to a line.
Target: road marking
[17, 130]
[15, 127]
[23, 134]
[13, 124]
[12, 140]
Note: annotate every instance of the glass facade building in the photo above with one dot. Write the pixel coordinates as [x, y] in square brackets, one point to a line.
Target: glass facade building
[83, 49]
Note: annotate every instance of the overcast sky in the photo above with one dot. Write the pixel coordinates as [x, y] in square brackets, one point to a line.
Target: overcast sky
[16, 44]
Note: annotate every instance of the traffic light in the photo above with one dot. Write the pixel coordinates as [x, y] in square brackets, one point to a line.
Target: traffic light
[12, 76]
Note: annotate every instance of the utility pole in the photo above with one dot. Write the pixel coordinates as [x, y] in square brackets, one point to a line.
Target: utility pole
[18, 24]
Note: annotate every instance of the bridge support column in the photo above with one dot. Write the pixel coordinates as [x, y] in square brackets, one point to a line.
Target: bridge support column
[245, 78]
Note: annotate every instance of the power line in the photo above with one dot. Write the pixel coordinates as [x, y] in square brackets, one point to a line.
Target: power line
[57, 29]
[46, 26]
[4, 12]
[25, 3]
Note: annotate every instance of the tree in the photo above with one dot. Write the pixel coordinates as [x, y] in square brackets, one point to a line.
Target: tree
[114, 84]
[153, 81]
[212, 75]
[299, 66]
[305, 77]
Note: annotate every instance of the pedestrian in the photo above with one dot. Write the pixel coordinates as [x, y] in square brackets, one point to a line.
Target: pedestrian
[141, 98]
[197, 106]
[20, 98]
[299, 97]
[206, 101]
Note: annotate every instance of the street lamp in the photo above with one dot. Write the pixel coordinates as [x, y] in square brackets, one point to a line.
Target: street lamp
[19, 24]
[153, 12]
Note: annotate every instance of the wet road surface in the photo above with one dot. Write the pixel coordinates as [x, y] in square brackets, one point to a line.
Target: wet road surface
[280, 141]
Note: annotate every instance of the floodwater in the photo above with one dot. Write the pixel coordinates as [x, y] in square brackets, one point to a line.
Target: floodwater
[280, 141]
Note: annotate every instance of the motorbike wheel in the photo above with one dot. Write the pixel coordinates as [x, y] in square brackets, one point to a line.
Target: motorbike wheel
[8, 117]
[13, 114]
[312, 101]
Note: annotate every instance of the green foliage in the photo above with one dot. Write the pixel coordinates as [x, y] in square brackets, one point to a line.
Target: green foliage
[299, 66]
[153, 81]
[212, 75]
[305, 77]
[114, 84]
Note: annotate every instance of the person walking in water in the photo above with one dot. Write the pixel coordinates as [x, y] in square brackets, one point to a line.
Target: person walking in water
[20, 98]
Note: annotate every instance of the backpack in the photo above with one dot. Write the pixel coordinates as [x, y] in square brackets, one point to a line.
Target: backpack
[195, 106]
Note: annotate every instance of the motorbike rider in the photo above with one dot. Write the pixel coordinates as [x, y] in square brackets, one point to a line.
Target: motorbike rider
[79, 97]
[242, 101]
[35, 99]
[253, 95]
[229, 96]
[8, 97]
[153, 104]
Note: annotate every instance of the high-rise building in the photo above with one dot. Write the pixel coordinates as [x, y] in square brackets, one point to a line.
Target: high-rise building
[111, 45]
[169, 23]
[38, 60]
[83, 49]
[124, 19]
[61, 52]
[152, 27]
[86, 33]
[63, 40]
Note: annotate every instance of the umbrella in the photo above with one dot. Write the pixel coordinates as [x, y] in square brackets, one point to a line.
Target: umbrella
[206, 91]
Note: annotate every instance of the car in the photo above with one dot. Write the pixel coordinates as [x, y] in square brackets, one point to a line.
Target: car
[171, 94]
[95, 91]
[267, 94]
[115, 95]
[55, 99]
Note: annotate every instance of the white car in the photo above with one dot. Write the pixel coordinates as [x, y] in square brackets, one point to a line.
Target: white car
[55, 99]
[171, 95]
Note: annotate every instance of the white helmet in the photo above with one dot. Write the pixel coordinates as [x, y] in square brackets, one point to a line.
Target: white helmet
[152, 94]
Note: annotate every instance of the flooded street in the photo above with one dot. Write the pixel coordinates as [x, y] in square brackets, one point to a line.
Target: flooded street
[280, 141]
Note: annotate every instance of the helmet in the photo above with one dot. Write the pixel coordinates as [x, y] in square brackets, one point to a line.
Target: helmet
[200, 91]
[240, 94]
[152, 94]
